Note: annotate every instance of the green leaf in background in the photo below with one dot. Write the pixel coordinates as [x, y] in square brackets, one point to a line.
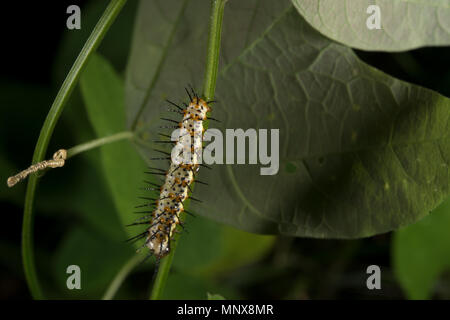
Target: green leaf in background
[114, 46]
[16, 144]
[166, 30]
[68, 191]
[98, 258]
[239, 248]
[198, 247]
[361, 153]
[405, 24]
[15, 154]
[209, 248]
[421, 253]
[180, 287]
[102, 90]
[74, 194]
[97, 208]
[212, 296]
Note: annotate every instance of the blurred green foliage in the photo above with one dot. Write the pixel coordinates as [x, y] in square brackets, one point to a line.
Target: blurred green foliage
[421, 253]
[215, 297]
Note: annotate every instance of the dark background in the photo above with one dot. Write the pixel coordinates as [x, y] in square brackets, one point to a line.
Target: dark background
[37, 51]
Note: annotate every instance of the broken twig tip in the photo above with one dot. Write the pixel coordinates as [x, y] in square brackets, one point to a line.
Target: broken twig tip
[58, 160]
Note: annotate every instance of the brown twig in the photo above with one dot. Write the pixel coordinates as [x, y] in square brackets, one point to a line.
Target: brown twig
[58, 160]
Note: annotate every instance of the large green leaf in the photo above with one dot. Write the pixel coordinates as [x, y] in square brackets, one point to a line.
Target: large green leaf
[99, 259]
[361, 153]
[103, 94]
[421, 253]
[405, 24]
[211, 249]
[169, 47]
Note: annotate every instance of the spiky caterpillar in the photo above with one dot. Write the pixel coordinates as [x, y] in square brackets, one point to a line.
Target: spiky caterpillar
[165, 217]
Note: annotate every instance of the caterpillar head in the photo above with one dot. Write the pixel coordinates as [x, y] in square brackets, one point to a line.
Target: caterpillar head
[198, 108]
[159, 245]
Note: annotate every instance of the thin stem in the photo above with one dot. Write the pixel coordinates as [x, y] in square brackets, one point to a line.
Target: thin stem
[57, 107]
[212, 65]
[164, 267]
[98, 143]
[120, 277]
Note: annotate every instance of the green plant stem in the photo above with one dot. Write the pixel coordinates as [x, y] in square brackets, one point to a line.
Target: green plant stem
[212, 66]
[164, 268]
[121, 275]
[57, 107]
[98, 143]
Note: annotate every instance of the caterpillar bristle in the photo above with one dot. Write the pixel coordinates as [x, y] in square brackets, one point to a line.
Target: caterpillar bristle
[148, 204]
[174, 111]
[161, 151]
[189, 95]
[152, 184]
[143, 206]
[214, 119]
[137, 237]
[148, 198]
[137, 223]
[170, 120]
[184, 228]
[155, 173]
[175, 105]
[190, 213]
[147, 218]
[165, 135]
[195, 199]
[193, 92]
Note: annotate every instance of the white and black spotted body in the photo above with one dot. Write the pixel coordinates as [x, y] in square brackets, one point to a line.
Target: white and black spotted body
[175, 189]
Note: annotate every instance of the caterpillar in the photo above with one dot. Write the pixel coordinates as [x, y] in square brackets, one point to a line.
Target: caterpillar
[164, 217]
